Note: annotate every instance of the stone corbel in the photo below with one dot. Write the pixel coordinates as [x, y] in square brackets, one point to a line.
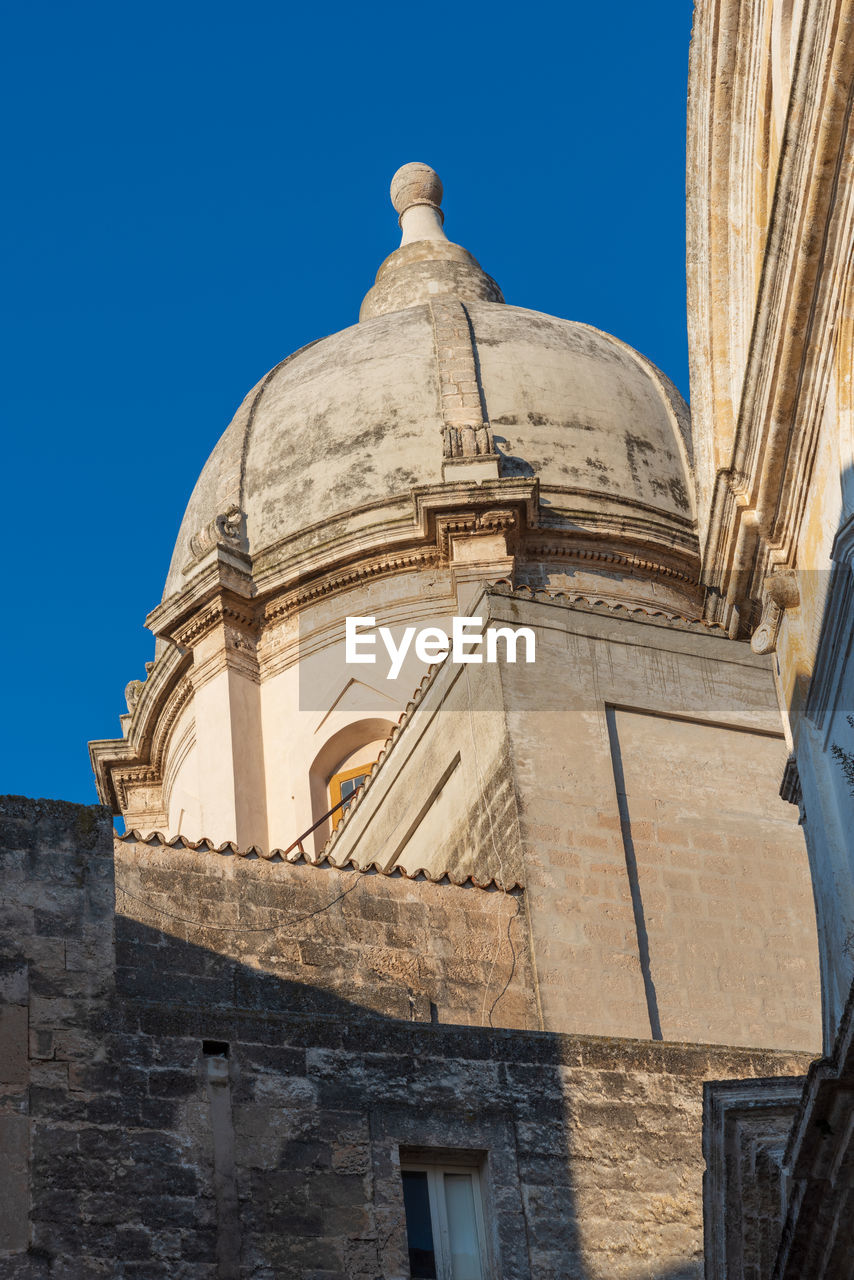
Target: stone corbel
[779, 593]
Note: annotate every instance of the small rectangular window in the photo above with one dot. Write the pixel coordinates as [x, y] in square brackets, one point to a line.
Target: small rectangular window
[444, 1222]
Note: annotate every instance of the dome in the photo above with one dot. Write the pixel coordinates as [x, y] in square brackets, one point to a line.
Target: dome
[353, 422]
[399, 470]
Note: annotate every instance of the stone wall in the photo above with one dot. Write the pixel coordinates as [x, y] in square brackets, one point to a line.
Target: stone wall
[212, 1111]
[667, 882]
[56, 975]
[302, 936]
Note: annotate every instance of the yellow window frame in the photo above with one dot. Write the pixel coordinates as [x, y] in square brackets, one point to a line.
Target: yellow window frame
[335, 782]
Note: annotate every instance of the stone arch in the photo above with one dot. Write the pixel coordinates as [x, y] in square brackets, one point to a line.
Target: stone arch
[356, 743]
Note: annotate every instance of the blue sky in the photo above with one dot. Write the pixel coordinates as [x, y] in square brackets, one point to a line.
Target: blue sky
[195, 190]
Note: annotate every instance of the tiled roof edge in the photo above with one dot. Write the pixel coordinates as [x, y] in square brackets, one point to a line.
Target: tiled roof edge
[157, 840]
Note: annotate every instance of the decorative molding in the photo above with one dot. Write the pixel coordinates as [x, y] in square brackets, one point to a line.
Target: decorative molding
[474, 524]
[746, 1124]
[460, 500]
[226, 609]
[440, 511]
[237, 654]
[180, 750]
[565, 550]
[763, 478]
[222, 575]
[166, 721]
[595, 605]
[130, 779]
[816, 1239]
[344, 579]
[442, 526]
[109, 755]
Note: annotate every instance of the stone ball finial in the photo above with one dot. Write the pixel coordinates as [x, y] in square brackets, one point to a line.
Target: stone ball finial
[415, 183]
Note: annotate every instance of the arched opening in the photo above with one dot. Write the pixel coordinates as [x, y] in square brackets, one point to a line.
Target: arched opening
[340, 767]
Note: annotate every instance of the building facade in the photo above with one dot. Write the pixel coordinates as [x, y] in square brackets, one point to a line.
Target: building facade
[770, 295]
[417, 966]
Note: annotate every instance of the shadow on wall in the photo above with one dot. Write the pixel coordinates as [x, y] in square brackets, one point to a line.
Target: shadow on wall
[192, 1116]
[230, 1123]
[294, 1137]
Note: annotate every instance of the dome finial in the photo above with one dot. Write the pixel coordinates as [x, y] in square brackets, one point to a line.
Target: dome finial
[416, 193]
[426, 264]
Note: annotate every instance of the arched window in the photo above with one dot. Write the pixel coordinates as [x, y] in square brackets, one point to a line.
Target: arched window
[341, 766]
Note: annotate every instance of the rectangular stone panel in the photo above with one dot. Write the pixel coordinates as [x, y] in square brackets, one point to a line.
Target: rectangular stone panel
[723, 890]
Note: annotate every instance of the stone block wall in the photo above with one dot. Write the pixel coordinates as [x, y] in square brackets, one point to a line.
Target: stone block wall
[298, 936]
[668, 884]
[206, 1111]
[56, 974]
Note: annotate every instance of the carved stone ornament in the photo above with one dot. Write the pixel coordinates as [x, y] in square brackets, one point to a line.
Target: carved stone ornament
[470, 524]
[779, 593]
[133, 693]
[225, 529]
[468, 441]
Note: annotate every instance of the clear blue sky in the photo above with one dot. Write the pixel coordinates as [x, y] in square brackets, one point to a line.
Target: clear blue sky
[195, 190]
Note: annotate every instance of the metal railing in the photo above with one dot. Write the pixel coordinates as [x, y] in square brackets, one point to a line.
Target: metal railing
[297, 844]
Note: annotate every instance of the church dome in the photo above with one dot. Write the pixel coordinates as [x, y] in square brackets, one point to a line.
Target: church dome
[445, 443]
[353, 422]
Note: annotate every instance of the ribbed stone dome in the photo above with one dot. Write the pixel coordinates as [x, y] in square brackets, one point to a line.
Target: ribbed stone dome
[356, 418]
[354, 422]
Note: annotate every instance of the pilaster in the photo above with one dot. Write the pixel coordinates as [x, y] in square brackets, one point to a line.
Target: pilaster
[223, 638]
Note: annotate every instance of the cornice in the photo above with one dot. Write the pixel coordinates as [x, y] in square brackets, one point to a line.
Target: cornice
[347, 577]
[687, 573]
[219, 575]
[560, 544]
[222, 593]
[135, 775]
[225, 610]
[588, 603]
[150, 699]
[105, 755]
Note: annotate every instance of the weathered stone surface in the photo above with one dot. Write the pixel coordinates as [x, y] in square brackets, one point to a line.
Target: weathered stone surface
[590, 1146]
